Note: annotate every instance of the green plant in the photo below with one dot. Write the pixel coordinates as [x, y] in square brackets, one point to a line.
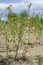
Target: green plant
[19, 25]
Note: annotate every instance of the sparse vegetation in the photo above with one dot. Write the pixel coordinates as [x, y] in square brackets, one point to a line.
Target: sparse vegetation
[15, 28]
